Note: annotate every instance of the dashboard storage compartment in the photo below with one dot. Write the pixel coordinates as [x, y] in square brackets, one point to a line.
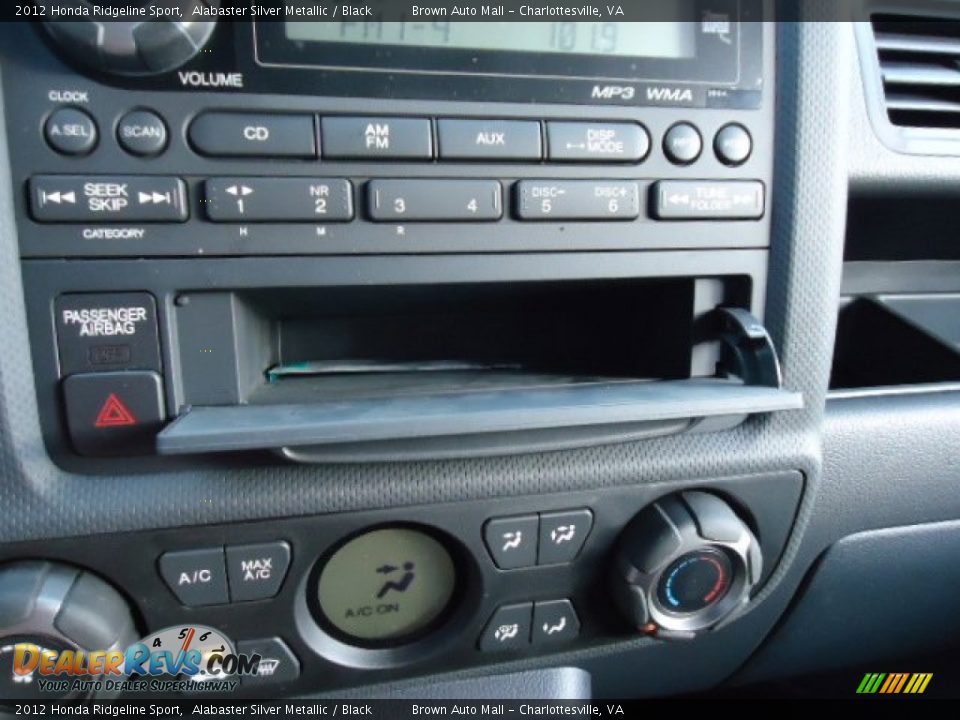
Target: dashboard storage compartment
[403, 371]
[887, 340]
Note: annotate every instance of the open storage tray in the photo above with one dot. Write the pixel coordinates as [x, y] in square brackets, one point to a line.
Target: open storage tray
[351, 373]
[897, 339]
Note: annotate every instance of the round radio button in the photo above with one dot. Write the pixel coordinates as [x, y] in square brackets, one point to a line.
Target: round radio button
[733, 144]
[70, 131]
[682, 144]
[386, 585]
[143, 133]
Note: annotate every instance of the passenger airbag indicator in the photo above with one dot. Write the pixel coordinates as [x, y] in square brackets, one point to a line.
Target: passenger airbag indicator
[107, 331]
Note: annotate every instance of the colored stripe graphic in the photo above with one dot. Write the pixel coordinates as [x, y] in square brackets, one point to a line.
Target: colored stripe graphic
[894, 683]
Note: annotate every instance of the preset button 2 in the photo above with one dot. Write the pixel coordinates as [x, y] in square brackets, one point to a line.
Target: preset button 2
[259, 199]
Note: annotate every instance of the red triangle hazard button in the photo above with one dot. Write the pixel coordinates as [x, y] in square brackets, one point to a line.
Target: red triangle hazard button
[114, 414]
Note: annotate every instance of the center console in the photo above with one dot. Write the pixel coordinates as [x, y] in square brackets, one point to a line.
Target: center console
[257, 243]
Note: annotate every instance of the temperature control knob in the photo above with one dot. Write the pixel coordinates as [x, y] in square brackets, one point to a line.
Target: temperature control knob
[48, 606]
[122, 47]
[684, 564]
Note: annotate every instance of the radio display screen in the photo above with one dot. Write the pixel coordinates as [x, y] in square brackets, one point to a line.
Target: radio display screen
[708, 45]
[623, 39]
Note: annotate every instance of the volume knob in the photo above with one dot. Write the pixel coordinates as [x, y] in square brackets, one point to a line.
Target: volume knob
[120, 47]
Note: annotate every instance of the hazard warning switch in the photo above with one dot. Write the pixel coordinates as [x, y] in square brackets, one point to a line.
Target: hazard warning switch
[114, 413]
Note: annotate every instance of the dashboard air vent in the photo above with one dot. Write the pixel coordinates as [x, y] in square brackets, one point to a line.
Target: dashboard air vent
[920, 64]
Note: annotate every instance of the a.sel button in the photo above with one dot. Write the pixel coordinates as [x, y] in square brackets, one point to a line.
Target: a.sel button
[708, 200]
[111, 331]
[225, 134]
[257, 571]
[196, 577]
[452, 200]
[578, 200]
[107, 198]
[249, 199]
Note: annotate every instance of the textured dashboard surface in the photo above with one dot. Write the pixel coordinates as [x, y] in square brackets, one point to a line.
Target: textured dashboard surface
[809, 204]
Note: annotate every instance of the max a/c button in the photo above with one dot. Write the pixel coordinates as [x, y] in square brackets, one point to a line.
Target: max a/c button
[257, 571]
[196, 577]
[114, 413]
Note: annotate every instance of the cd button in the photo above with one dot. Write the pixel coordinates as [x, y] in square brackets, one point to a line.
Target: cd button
[225, 134]
[489, 139]
[597, 142]
[376, 137]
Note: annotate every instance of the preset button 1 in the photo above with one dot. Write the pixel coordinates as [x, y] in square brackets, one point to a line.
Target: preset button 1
[259, 199]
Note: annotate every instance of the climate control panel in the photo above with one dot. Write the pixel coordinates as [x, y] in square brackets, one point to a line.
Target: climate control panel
[325, 601]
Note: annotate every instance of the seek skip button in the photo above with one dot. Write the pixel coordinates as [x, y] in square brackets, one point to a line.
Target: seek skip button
[196, 577]
[257, 571]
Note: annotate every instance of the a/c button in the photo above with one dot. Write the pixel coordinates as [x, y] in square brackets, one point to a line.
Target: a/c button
[196, 577]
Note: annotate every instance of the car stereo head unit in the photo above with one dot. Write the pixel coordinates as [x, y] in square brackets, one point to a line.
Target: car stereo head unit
[694, 53]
